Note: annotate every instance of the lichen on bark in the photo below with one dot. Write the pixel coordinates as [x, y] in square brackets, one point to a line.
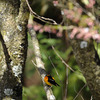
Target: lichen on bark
[87, 61]
[13, 46]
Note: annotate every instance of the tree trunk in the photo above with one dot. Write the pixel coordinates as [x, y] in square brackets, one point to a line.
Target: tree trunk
[13, 47]
[89, 63]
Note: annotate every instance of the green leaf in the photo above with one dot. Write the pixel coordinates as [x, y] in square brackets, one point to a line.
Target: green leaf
[49, 41]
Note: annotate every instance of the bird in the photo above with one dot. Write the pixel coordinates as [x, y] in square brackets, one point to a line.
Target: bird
[49, 80]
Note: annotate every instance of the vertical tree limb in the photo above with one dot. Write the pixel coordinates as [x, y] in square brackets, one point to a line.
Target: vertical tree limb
[39, 63]
[85, 56]
[13, 21]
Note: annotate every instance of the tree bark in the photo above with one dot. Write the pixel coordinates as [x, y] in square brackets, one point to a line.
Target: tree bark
[89, 64]
[13, 47]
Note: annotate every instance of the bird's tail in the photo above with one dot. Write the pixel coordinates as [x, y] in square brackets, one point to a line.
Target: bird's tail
[57, 84]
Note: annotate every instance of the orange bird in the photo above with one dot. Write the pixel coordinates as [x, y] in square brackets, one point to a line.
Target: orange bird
[49, 80]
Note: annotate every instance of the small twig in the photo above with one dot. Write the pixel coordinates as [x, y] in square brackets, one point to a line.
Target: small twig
[66, 84]
[35, 66]
[80, 92]
[55, 69]
[34, 63]
[62, 60]
[46, 20]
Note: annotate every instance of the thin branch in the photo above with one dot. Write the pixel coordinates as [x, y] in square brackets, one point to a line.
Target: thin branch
[46, 20]
[57, 75]
[34, 63]
[55, 69]
[66, 80]
[80, 92]
[62, 60]
[66, 84]
[39, 64]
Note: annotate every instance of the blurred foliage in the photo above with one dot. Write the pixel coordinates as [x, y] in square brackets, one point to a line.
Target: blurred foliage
[33, 93]
[75, 79]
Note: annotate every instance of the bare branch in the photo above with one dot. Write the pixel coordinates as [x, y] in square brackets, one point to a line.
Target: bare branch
[62, 60]
[66, 85]
[39, 64]
[46, 20]
[79, 92]
[55, 70]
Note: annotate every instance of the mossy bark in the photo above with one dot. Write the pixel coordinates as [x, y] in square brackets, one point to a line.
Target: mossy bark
[88, 62]
[13, 47]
